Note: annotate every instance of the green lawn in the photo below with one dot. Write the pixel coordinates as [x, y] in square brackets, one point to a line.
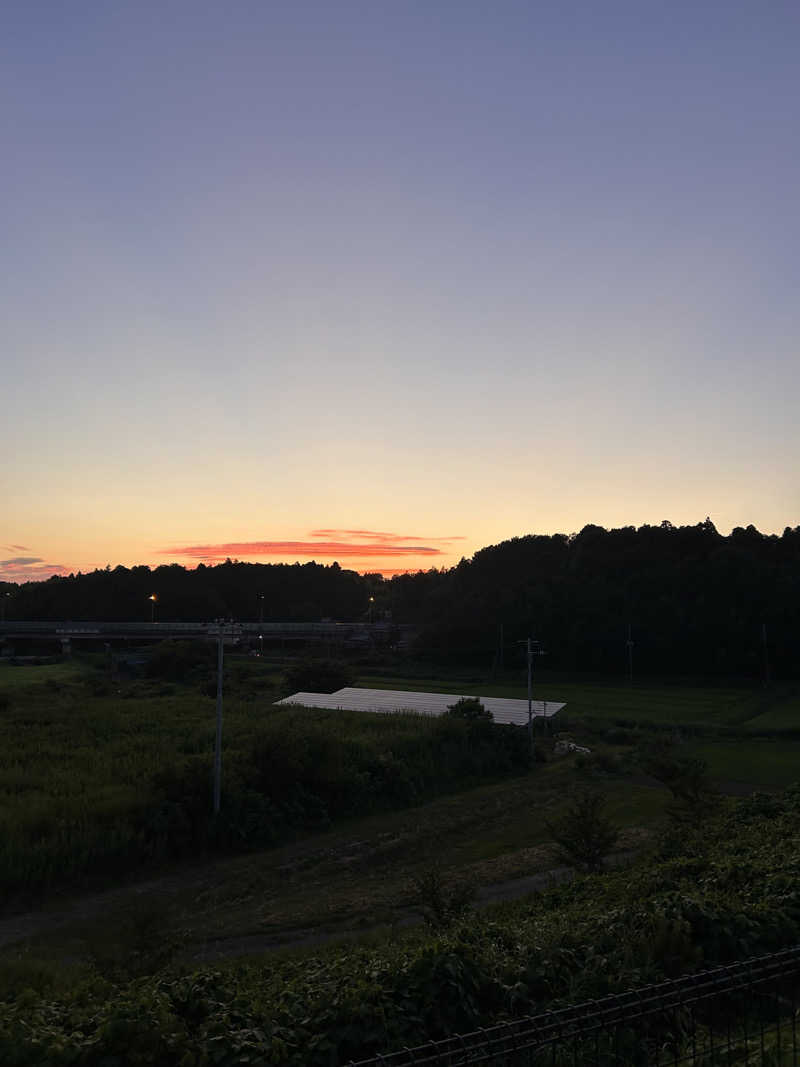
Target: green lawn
[12, 677]
[782, 714]
[763, 764]
[666, 704]
[78, 755]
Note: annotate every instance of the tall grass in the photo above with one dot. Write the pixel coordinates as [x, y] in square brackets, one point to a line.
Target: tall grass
[95, 781]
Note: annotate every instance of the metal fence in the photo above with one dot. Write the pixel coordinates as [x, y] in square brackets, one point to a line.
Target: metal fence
[745, 1013]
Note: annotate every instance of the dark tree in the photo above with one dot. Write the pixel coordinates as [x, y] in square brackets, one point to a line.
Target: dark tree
[584, 836]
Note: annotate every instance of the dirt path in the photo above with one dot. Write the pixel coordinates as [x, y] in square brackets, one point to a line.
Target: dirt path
[512, 889]
[226, 947]
[311, 866]
[88, 908]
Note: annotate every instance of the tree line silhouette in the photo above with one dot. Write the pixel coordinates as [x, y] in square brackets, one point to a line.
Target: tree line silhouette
[694, 602]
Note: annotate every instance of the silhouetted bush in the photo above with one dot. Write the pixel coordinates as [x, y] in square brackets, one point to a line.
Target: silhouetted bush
[584, 836]
[471, 709]
[319, 676]
[176, 661]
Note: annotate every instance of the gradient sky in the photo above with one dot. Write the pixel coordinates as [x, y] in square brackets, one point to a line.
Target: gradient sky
[389, 281]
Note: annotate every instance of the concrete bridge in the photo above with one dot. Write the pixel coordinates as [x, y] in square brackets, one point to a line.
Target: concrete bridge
[352, 634]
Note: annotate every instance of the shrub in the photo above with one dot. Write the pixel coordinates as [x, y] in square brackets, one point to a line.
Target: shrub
[471, 709]
[441, 901]
[175, 661]
[584, 836]
[687, 779]
[319, 676]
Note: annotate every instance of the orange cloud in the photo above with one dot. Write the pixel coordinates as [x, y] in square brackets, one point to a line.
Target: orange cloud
[332, 544]
[299, 548]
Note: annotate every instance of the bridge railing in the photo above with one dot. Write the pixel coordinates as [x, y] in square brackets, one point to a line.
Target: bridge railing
[68, 626]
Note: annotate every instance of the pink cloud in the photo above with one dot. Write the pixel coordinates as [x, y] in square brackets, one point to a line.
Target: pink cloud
[22, 569]
[361, 545]
[307, 549]
[377, 535]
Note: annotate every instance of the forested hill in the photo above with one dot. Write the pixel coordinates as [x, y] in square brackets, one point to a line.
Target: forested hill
[304, 592]
[696, 601]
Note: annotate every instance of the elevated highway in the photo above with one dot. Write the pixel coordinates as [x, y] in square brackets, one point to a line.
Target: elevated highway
[66, 631]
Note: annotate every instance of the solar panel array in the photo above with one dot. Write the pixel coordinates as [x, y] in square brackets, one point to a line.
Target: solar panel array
[391, 701]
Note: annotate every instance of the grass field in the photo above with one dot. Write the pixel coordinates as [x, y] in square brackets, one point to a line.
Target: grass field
[665, 705]
[760, 763]
[15, 678]
[78, 755]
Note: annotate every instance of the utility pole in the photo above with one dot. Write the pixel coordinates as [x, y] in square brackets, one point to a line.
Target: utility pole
[529, 643]
[629, 644]
[222, 630]
[530, 695]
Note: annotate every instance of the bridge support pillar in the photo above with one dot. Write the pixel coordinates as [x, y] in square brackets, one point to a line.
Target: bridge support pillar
[66, 647]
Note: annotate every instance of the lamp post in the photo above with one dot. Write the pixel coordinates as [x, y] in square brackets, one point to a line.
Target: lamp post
[152, 598]
[260, 609]
[3, 600]
[371, 604]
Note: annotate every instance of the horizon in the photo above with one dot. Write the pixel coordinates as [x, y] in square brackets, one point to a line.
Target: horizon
[206, 560]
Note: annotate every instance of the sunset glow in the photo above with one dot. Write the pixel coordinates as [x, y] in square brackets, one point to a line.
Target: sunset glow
[290, 292]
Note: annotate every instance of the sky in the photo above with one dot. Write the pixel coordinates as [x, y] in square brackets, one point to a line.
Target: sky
[384, 282]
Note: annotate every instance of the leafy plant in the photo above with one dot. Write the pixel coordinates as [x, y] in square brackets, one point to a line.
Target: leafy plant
[442, 901]
[584, 836]
[686, 777]
[471, 709]
[319, 675]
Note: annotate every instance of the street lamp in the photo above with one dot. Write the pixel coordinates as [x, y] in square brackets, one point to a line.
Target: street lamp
[371, 603]
[152, 598]
[260, 609]
[3, 600]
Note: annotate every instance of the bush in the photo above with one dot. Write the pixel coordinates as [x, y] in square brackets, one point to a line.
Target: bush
[319, 676]
[442, 902]
[471, 709]
[584, 836]
[693, 795]
[176, 661]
